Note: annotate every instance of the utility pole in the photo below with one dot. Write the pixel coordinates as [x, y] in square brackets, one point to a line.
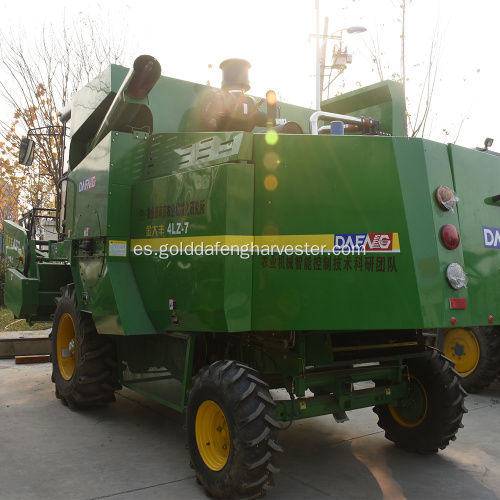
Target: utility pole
[322, 64]
[318, 61]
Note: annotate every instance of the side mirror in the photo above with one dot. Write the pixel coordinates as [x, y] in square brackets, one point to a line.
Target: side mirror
[26, 152]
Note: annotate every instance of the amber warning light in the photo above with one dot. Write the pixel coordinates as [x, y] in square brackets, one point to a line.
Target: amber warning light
[446, 198]
[271, 108]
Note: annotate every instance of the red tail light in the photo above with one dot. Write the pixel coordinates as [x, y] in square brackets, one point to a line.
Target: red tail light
[450, 236]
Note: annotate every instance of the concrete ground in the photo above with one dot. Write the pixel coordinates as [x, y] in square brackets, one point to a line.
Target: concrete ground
[135, 449]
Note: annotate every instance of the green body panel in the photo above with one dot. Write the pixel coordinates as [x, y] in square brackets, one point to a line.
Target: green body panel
[117, 196]
[114, 165]
[89, 98]
[176, 153]
[21, 294]
[87, 194]
[32, 298]
[201, 207]
[477, 179]
[88, 109]
[130, 316]
[351, 185]
[58, 250]
[32, 286]
[16, 245]
[382, 101]
[425, 219]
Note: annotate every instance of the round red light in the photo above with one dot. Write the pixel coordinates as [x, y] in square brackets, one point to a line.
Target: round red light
[490, 319]
[450, 236]
[453, 320]
[445, 198]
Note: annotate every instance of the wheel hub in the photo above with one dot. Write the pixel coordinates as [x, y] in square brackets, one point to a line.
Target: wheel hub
[458, 350]
[66, 346]
[212, 435]
[414, 409]
[462, 347]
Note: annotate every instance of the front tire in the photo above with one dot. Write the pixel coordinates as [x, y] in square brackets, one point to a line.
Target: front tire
[84, 367]
[433, 410]
[232, 433]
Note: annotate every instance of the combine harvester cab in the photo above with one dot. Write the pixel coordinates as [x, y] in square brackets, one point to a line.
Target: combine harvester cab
[223, 255]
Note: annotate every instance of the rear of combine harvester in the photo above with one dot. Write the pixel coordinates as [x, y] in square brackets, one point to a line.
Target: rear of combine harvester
[210, 254]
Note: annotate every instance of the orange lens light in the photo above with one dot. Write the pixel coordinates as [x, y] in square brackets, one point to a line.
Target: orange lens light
[271, 97]
[445, 198]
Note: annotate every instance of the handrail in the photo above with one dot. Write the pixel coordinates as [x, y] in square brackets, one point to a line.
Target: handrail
[323, 115]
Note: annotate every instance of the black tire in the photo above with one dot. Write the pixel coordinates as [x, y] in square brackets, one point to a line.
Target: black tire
[476, 354]
[246, 422]
[84, 367]
[434, 406]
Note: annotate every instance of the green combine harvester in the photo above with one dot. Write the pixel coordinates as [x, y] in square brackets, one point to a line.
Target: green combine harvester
[254, 263]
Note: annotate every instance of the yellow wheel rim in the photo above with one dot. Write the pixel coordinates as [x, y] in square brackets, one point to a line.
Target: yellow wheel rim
[462, 348]
[66, 346]
[212, 435]
[414, 411]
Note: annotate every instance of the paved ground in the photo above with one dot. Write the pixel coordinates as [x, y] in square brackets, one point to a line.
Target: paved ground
[135, 449]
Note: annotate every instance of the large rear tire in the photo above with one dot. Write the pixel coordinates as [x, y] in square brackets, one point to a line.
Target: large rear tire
[84, 367]
[432, 413]
[232, 433]
[476, 354]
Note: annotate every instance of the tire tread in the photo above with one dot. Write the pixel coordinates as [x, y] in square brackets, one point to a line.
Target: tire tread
[250, 411]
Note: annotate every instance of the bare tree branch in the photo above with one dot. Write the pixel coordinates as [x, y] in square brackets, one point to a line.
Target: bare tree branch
[418, 120]
[376, 55]
[35, 81]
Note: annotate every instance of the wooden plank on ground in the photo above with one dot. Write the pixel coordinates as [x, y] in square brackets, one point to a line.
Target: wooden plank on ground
[21, 360]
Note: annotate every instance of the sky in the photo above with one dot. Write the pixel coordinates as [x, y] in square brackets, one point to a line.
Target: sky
[274, 35]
